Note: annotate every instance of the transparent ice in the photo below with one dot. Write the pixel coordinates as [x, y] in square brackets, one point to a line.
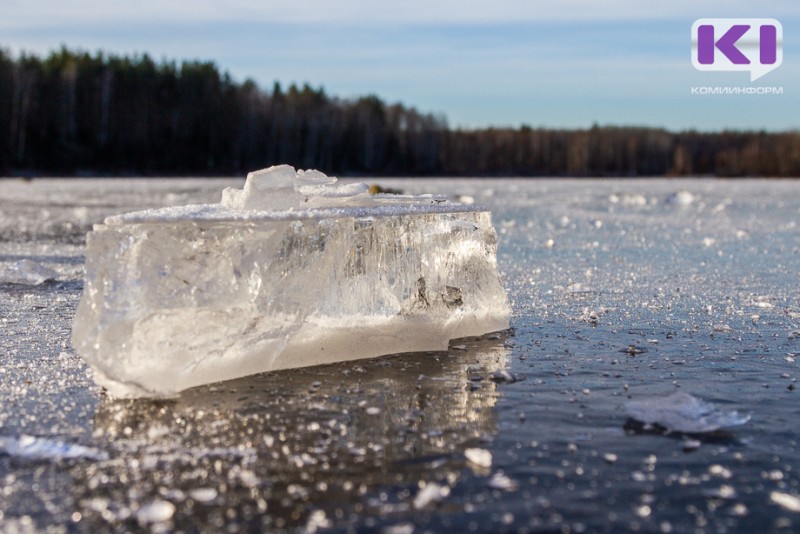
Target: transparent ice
[681, 412]
[27, 272]
[290, 271]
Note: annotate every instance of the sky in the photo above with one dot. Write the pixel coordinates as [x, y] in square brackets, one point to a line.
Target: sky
[555, 64]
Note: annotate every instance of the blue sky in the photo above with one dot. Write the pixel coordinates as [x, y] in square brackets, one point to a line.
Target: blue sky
[502, 62]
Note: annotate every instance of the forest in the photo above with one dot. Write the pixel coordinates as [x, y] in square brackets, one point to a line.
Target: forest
[76, 113]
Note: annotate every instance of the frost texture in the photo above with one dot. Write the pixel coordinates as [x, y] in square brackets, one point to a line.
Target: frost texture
[681, 412]
[293, 270]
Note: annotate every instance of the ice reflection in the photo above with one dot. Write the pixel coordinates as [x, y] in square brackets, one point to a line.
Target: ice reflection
[272, 443]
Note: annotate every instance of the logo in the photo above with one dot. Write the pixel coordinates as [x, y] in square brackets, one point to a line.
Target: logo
[753, 45]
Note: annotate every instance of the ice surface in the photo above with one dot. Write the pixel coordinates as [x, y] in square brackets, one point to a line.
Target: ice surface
[681, 412]
[290, 271]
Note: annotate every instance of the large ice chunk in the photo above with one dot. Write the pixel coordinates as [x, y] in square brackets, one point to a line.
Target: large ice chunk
[292, 270]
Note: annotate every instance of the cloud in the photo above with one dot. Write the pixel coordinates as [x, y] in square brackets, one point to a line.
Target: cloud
[43, 13]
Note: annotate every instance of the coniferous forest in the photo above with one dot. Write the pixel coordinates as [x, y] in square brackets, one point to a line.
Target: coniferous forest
[75, 113]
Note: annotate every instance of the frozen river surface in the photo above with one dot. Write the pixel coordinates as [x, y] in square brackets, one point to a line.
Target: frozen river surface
[622, 290]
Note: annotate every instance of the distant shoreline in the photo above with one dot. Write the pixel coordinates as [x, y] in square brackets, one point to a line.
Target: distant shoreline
[376, 177]
[76, 114]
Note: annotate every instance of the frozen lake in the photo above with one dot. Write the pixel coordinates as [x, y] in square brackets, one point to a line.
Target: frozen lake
[622, 290]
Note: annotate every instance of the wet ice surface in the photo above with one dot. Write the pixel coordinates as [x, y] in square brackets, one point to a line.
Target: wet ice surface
[623, 291]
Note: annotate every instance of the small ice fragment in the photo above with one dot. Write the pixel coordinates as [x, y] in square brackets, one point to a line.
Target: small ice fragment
[248, 478]
[633, 350]
[643, 510]
[505, 377]
[720, 471]
[723, 492]
[373, 410]
[313, 177]
[458, 347]
[431, 493]
[627, 199]
[34, 448]
[786, 500]
[578, 288]
[157, 431]
[681, 412]
[399, 528]
[317, 520]
[690, 445]
[203, 494]
[502, 482]
[775, 475]
[479, 457]
[27, 272]
[680, 198]
[739, 510]
[157, 511]
[610, 457]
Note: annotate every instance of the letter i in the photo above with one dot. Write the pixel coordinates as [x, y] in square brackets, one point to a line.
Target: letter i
[768, 44]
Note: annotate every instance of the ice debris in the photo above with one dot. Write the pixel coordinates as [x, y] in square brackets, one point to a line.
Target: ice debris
[203, 495]
[27, 272]
[430, 493]
[501, 481]
[157, 511]
[681, 198]
[504, 376]
[283, 188]
[317, 520]
[786, 500]
[290, 271]
[479, 457]
[35, 448]
[681, 412]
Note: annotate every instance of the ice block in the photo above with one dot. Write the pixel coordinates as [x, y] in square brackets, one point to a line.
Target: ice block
[292, 270]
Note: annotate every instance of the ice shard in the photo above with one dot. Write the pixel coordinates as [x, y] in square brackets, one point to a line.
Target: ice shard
[682, 412]
[292, 270]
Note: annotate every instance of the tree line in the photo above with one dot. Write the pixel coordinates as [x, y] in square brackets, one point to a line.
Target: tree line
[78, 113]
